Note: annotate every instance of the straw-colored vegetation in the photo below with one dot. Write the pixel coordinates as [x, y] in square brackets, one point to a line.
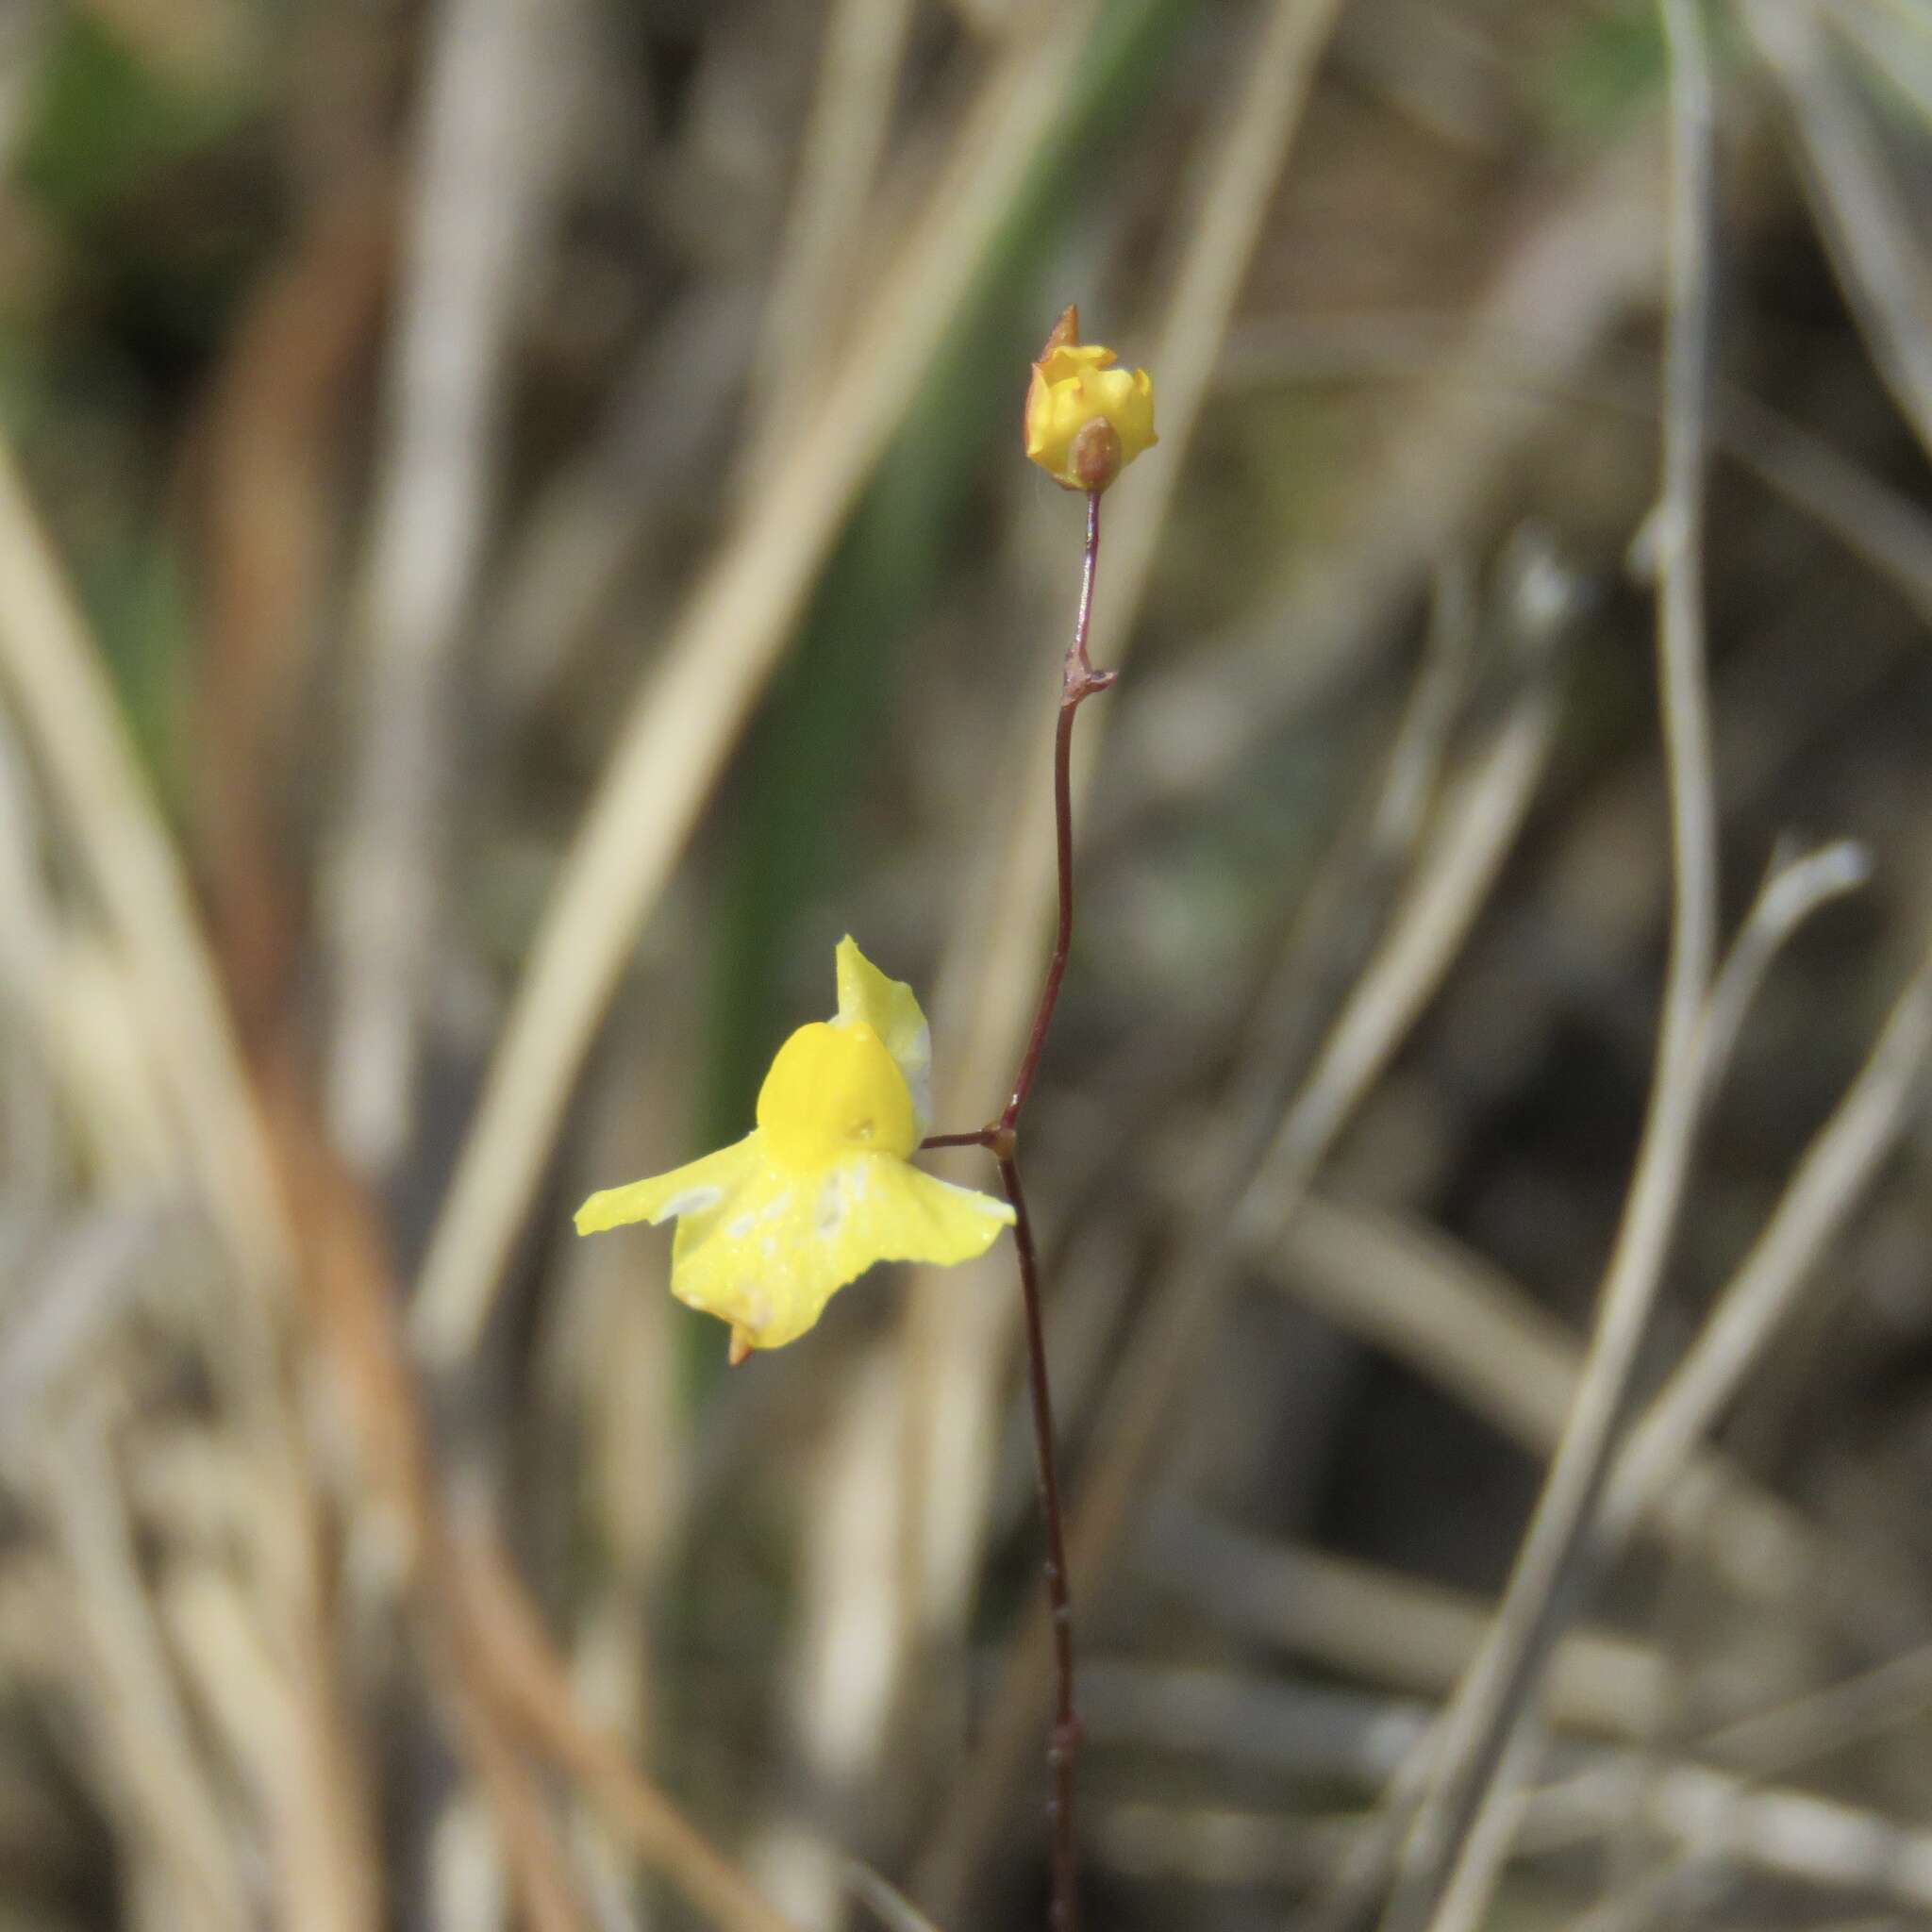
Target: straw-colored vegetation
[514, 536]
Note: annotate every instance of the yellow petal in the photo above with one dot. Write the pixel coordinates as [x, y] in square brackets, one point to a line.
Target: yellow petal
[686, 1190]
[1034, 420]
[769, 1257]
[1073, 360]
[867, 997]
[1127, 402]
[833, 1091]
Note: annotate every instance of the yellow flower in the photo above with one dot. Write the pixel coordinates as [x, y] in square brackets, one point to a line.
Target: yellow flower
[822, 1186]
[1085, 419]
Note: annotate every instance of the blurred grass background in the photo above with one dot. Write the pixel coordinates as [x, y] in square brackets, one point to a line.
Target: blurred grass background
[540, 480]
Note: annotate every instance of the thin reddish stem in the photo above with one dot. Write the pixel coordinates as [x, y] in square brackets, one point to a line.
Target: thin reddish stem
[1079, 682]
[1063, 1745]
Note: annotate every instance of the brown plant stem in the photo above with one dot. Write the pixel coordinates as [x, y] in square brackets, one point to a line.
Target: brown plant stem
[1080, 681]
[1063, 1741]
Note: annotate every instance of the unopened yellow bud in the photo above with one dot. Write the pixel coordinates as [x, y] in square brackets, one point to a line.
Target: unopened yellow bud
[1085, 419]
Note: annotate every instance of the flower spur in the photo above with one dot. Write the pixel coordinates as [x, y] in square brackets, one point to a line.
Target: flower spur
[772, 1227]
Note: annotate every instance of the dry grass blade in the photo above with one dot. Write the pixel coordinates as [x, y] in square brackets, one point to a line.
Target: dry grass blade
[1312, 1732]
[524, 1834]
[499, 1675]
[1875, 522]
[1332, 933]
[609, 1376]
[69, 713]
[1868, 229]
[269, 424]
[1837, 1171]
[692, 705]
[1682, 1887]
[846, 1645]
[1785, 1834]
[1435, 1305]
[174, 1816]
[538, 1696]
[250, 1694]
[1884, 527]
[891, 1908]
[235, 1679]
[86, 1281]
[68, 708]
[1767, 1742]
[1455, 1321]
[1475, 827]
[1894, 44]
[1575, 271]
[1757, 1543]
[1374, 1624]
[844, 140]
[486, 151]
[1782, 1832]
[668, 414]
[1434, 1887]
[30, 941]
[1792, 891]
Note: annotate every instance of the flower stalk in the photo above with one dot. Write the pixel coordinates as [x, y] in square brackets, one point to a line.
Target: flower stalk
[1080, 681]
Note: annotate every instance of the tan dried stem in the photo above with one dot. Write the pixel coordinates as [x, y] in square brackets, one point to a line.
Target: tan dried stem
[1481, 1719]
[68, 710]
[832, 210]
[251, 1160]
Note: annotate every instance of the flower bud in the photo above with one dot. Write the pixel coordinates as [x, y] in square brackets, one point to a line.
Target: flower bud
[1086, 421]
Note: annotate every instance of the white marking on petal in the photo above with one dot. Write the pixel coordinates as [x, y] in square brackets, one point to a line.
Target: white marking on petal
[739, 1228]
[915, 1064]
[692, 1201]
[775, 1207]
[831, 1206]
